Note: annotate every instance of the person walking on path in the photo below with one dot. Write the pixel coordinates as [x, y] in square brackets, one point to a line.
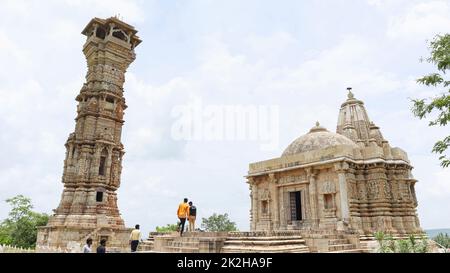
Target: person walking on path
[88, 246]
[183, 213]
[192, 216]
[135, 237]
[102, 247]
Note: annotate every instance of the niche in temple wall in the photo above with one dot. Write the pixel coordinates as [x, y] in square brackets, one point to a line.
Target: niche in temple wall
[108, 105]
[263, 199]
[327, 197]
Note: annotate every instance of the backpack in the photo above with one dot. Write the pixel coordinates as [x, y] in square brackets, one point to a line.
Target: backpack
[192, 211]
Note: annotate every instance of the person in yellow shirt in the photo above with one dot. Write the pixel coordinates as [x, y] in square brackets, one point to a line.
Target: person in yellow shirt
[183, 214]
[135, 236]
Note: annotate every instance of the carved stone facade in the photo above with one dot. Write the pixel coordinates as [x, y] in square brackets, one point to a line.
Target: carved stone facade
[94, 152]
[350, 181]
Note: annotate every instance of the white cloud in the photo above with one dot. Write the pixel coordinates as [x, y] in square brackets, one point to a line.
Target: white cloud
[13, 57]
[421, 21]
[128, 10]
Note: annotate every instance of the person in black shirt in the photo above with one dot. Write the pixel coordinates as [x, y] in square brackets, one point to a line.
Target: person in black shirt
[102, 247]
[192, 216]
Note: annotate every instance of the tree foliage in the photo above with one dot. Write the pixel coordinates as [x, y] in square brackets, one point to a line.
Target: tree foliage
[442, 239]
[218, 222]
[167, 228]
[20, 228]
[387, 244]
[439, 105]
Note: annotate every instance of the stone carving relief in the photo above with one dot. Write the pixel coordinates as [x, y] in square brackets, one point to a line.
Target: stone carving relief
[87, 166]
[93, 104]
[372, 189]
[352, 190]
[387, 190]
[361, 189]
[115, 169]
[328, 187]
[105, 135]
[404, 190]
[119, 111]
[264, 194]
[293, 179]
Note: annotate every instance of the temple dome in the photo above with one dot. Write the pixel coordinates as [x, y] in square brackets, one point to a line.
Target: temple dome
[318, 138]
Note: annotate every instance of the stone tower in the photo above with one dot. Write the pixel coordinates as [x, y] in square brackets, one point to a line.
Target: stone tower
[93, 162]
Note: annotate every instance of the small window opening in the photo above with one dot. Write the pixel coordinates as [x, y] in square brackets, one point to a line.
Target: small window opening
[120, 35]
[102, 167]
[101, 33]
[99, 196]
[328, 200]
[264, 207]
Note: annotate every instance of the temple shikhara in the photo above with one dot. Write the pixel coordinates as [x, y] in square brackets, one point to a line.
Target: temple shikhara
[350, 181]
[93, 162]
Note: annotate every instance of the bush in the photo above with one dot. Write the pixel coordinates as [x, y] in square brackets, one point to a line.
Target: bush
[387, 244]
[443, 240]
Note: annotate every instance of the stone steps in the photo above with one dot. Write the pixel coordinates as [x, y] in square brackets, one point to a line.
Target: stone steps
[265, 238]
[332, 248]
[146, 246]
[183, 245]
[272, 249]
[350, 251]
[183, 249]
[187, 242]
[264, 243]
[338, 241]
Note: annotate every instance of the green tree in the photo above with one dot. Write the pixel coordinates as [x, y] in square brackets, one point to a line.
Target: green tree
[218, 222]
[167, 228]
[442, 239]
[5, 231]
[439, 105]
[20, 228]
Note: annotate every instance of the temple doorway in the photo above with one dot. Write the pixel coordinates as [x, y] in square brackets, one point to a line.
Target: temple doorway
[296, 205]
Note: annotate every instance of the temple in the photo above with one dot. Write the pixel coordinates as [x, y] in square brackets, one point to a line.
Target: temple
[94, 152]
[349, 181]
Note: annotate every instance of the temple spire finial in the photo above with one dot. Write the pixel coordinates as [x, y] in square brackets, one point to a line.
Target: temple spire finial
[350, 93]
[317, 124]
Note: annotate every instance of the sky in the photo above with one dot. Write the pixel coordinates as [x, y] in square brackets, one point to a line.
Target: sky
[292, 59]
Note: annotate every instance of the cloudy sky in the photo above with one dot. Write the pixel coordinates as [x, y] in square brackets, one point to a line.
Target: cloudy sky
[298, 56]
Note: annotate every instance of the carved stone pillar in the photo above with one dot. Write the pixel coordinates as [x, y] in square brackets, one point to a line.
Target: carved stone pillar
[254, 205]
[341, 169]
[275, 210]
[311, 176]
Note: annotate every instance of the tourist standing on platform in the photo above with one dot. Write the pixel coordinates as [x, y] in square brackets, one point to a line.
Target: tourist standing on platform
[135, 237]
[102, 247]
[88, 246]
[183, 214]
[192, 216]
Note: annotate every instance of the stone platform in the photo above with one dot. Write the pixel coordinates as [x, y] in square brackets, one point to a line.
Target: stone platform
[258, 242]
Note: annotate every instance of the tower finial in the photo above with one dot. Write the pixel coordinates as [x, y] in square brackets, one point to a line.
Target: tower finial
[350, 94]
[317, 123]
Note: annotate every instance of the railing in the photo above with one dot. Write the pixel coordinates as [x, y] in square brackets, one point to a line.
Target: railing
[15, 249]
[40, 249]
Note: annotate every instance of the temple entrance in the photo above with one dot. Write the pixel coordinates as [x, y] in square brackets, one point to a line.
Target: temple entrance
[296, 205]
